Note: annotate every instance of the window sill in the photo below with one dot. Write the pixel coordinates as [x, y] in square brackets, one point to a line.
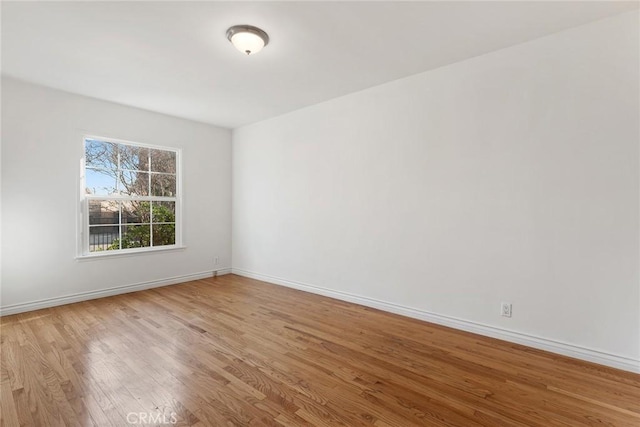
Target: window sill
[128, 253]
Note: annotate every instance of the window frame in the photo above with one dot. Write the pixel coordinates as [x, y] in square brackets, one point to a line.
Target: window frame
[84, 199]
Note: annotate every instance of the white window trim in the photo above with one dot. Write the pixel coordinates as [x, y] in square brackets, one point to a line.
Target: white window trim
[120, 253]
[83, 218]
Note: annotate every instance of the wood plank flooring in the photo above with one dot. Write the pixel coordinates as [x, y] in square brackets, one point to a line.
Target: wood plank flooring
[235, 351]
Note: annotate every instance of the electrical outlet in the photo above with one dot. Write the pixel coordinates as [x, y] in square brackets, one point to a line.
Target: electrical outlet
[215, 261]
[505, 309]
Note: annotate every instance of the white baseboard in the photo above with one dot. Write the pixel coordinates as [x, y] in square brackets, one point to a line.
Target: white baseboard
[553, 346]
[222, 272]
[84, 296]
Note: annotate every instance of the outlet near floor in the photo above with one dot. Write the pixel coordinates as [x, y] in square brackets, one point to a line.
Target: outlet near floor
[505, 309]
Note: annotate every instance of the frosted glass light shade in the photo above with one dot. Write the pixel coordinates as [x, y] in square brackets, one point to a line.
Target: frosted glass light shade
[247, 39]
[247, 42]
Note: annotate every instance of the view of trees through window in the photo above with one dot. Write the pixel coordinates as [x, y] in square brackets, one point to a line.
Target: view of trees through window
[131, 195]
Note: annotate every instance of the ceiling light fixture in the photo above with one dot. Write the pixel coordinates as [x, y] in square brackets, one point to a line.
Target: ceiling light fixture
[247, 39]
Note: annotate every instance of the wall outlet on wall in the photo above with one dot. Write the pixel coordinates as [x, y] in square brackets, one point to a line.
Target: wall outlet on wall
[505, 309]
[215, 261]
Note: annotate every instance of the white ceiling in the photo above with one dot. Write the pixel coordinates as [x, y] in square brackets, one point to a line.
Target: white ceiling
[173, 57]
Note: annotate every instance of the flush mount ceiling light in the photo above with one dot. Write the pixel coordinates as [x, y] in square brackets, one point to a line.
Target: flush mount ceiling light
[247, 39]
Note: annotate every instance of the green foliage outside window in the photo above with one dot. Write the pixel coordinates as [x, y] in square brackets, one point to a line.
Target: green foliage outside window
[139, 235]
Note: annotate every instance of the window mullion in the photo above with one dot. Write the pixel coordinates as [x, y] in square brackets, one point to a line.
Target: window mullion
[151, 201]
[149, 172]
[120, 225]
[132, 198]
[118, 170]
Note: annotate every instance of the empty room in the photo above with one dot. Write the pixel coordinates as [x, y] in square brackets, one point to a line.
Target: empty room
[320, 213]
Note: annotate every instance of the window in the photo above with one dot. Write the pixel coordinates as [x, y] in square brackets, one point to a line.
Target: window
[130, 197]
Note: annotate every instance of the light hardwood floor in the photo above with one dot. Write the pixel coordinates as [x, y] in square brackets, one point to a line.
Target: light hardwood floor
[236, 351]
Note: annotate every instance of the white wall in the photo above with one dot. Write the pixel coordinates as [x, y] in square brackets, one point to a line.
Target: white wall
[512, 176]
[41, 146]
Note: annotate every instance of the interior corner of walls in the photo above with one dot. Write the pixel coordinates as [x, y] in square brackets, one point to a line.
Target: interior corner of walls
[222, 271]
